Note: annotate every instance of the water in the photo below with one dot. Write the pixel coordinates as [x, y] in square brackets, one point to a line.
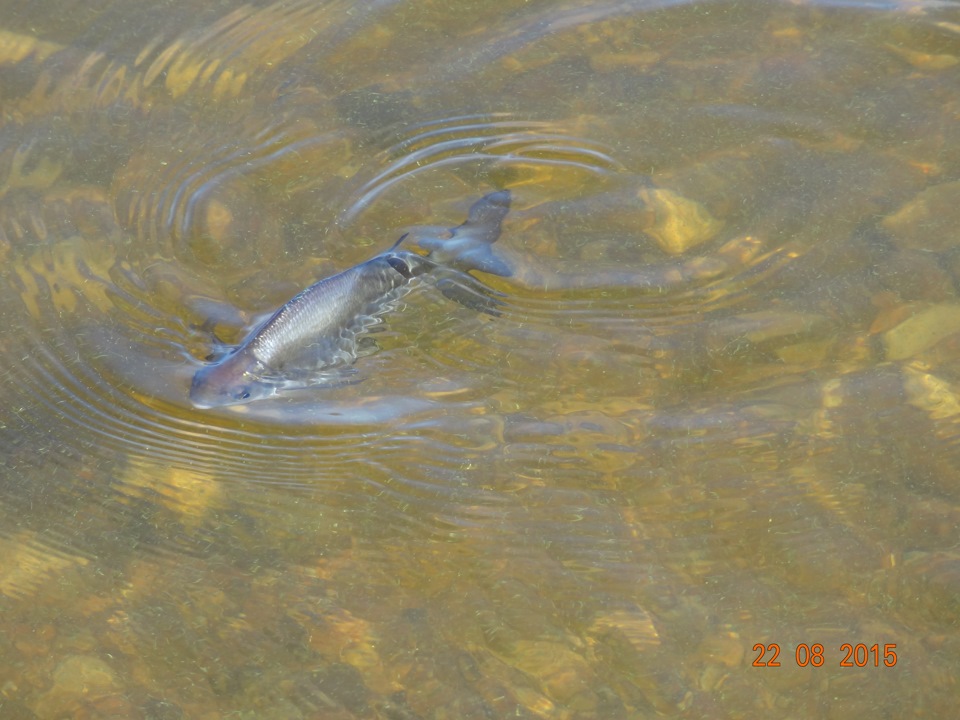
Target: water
[719, 411]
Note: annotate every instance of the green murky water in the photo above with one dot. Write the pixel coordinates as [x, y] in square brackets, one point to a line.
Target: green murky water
[718, 416]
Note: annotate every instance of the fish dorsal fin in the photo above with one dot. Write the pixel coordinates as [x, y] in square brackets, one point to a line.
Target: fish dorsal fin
[399, 240]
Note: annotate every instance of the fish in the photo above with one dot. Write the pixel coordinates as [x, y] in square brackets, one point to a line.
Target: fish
[315, 337]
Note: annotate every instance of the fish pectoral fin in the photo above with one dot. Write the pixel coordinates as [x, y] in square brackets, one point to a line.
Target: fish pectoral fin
[472, 294]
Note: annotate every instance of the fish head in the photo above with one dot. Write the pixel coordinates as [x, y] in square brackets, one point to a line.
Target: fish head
[235, 380]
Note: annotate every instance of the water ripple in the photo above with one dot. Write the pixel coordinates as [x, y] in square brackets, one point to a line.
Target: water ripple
[188, 209]
[113, 399]
[474, 142]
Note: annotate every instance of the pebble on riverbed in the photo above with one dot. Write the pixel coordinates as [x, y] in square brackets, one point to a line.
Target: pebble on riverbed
[679, 223]
[929, 221]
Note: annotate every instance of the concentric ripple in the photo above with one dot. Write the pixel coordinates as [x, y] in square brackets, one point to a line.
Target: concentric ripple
[188, 232]
[202, 207]
[497, 145]
[734, 287]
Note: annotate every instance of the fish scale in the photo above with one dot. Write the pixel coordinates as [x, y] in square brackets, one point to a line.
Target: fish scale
[324, 320]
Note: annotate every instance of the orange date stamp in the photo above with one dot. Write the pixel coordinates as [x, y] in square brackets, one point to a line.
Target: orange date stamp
[860, 655]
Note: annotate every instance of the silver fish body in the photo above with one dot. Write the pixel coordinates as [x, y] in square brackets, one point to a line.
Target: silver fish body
[315, 336]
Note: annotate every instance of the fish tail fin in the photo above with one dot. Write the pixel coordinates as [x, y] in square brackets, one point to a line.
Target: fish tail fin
[470, 246]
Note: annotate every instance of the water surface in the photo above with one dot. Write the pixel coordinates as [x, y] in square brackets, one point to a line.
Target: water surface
[719, 410]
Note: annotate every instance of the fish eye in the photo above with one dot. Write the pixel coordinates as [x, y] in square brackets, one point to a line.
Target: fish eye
[245, 395]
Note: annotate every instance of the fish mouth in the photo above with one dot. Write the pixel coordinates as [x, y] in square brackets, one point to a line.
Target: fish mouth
[201, 403]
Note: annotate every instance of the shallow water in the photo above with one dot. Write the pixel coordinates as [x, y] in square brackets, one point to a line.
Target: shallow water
[719, 411]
